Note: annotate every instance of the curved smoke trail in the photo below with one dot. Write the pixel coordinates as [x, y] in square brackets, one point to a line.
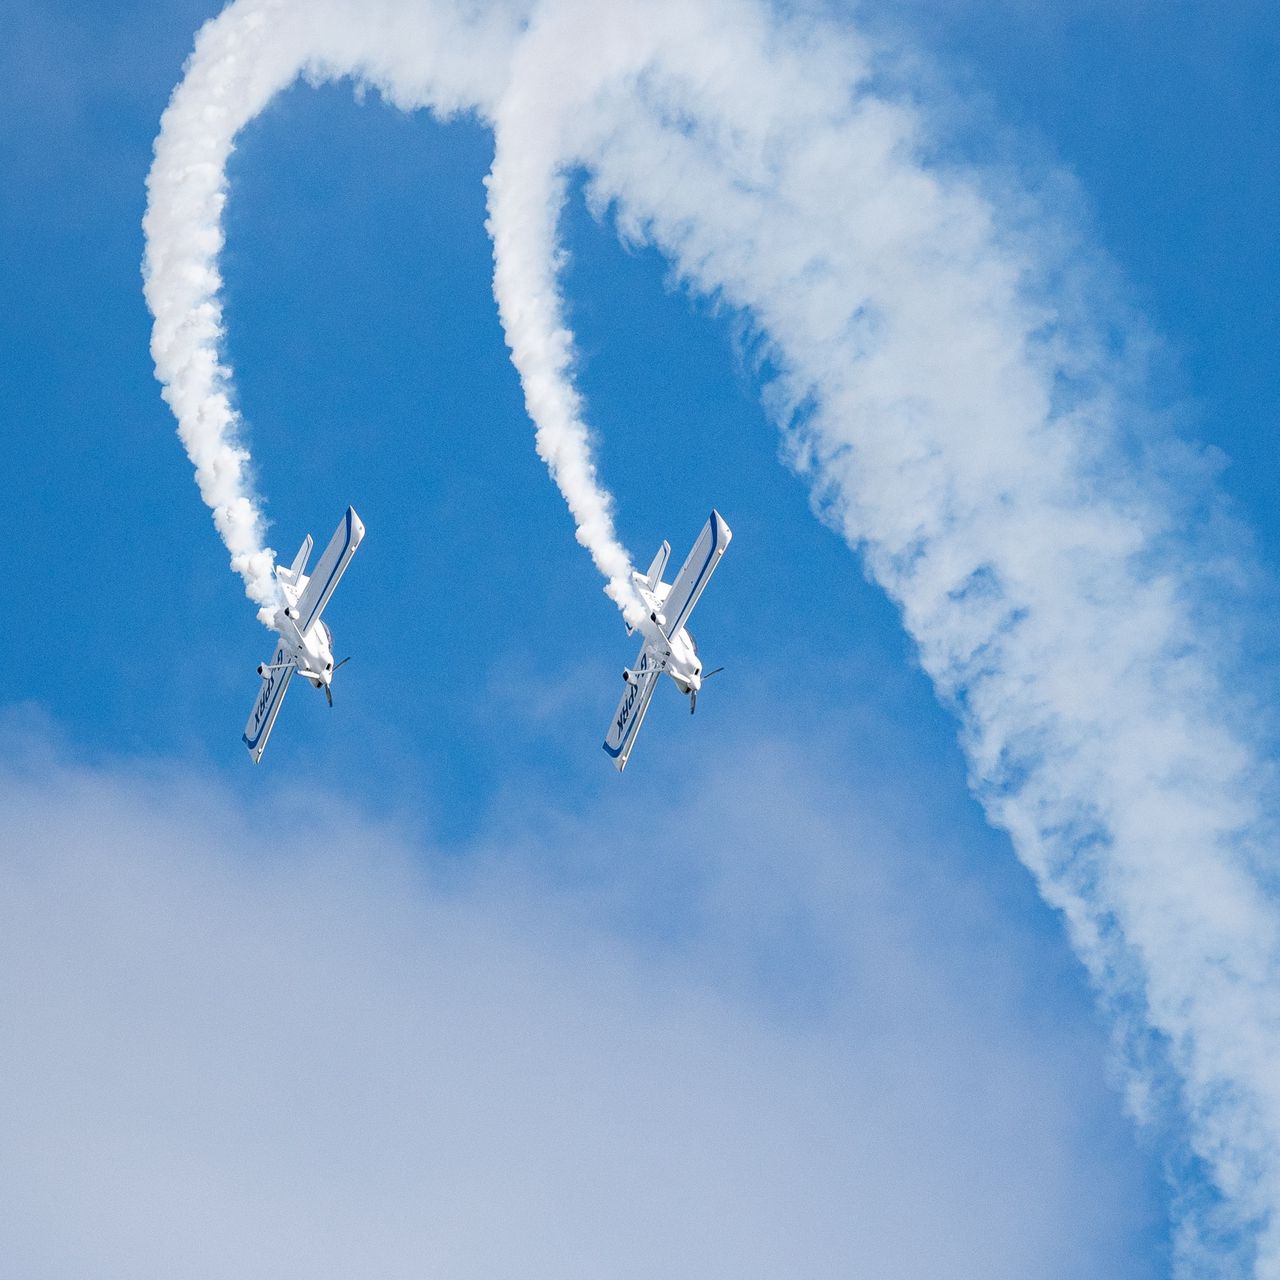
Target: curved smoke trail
[526, 189]
[441, 58]
[961, 424]
[225, 85]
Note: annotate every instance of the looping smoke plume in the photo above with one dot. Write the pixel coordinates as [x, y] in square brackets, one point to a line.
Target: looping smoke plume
[225, 85]
[962, 424]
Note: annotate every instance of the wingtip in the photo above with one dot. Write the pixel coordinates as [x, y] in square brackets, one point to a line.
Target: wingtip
[355, 524]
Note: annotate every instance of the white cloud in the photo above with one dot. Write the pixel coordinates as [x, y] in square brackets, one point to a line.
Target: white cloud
[277, 1043]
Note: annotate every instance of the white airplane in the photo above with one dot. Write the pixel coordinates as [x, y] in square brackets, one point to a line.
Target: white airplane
[306, 644]
[668, 645]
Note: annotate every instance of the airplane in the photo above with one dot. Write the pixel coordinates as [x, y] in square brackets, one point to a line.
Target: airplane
[306, 643]
[668, 645]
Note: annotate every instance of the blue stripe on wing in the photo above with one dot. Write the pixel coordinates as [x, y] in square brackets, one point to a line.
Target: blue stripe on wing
[673, 627]
[323, 598]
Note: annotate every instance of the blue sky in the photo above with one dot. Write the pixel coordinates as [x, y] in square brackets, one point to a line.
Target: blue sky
[800, 867]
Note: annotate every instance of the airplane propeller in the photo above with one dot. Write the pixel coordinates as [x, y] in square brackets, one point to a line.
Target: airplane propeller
[328, 693]
[693, 693]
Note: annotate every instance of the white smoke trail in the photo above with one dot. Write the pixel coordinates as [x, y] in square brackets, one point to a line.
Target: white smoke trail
[437, 57]
[525, 194]
[225, 85]
[965, 431]
[961, 424]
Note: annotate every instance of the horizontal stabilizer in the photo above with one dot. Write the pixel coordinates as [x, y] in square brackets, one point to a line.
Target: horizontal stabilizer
[696, 572]
[332, 565]
[275, 683]
[630, 713]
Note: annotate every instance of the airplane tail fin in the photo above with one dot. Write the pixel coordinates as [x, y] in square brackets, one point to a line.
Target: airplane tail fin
[650, 580]
[659, 565]
[295, 571]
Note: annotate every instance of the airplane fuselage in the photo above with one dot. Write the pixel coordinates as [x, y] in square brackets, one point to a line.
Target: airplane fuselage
[675, 655]
[311, 653]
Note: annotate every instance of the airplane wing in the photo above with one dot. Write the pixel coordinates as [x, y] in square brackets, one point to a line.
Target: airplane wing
[267, 706]
[337, 555]
[696, 572]
[630, 713]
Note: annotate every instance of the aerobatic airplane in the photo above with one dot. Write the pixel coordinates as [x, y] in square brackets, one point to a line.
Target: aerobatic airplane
[668, 645]
[306, 644]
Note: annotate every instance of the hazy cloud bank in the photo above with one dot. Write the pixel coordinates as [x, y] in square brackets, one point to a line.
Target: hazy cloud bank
[280, 1044]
